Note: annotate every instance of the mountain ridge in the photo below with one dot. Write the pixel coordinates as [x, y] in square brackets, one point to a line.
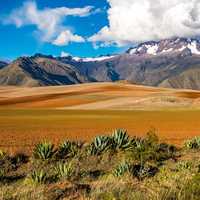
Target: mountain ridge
[166, 63]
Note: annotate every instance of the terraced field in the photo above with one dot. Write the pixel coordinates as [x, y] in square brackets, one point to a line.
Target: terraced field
[28, 115]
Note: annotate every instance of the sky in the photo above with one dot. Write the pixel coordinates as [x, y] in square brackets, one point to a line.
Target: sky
[89, 28]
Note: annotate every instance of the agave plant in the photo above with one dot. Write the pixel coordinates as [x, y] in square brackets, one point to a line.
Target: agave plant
[120, 138]
[44, 151]
[67, 149]
[2, 155]
[193, 143]
[38, 177]
[100, 145]
[64, 170]
[121, 169]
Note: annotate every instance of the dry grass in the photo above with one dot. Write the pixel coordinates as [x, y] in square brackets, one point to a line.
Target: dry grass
[28, 115]
[21, 129]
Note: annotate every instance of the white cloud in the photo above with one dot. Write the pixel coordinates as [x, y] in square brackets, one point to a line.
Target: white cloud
[133, 21]
[49, 21]
[65, 37]
[64, 54]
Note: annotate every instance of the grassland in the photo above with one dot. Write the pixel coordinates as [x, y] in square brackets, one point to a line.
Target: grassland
[21, 129]
[29, 115]
[106, 168]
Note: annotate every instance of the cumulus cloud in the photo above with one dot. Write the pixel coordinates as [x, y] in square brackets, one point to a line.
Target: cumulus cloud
[65, 37]
[64, 54]
[132, 21]
[49, 21]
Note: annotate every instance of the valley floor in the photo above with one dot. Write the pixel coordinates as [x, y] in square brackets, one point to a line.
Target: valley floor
[28, 115]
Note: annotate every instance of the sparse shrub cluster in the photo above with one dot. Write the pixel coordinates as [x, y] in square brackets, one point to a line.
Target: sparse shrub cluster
[193, 143]
[44, 151]
[37, 177]
[112, 163]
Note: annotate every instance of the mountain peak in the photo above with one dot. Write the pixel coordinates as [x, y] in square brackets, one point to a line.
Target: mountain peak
[167, 46]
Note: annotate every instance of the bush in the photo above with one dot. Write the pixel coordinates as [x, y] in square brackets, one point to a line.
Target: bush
[191, 190]
[184, 165]
[100, 144]
[64, 170]
[37, 177]
[193, 143]
[120, 139]
[165, 151]
[2, 155]
[44, 151]
[2, 174]
[143, 171]
[67, 149]
[121, 169]
[19, 159]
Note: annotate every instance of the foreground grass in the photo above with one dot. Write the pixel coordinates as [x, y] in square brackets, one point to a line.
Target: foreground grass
[110, 167]
[21, 129]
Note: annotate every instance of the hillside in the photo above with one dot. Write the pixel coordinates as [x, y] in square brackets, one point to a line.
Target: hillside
[150, 63]
[2, 64]
[173, 63]
[98, 96]
[39, 71]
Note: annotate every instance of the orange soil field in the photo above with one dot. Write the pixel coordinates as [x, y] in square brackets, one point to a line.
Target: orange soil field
[29, 115]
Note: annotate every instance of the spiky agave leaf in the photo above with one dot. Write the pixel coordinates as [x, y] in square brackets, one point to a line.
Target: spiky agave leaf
[100, 145]
[37, 177]
[64, 170]
[121, 169]
[68, 149]
[44, 151]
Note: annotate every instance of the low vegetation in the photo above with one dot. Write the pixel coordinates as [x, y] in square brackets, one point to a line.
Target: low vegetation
[113, 166]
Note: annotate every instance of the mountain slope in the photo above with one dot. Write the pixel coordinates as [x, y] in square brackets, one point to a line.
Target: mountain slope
[2, 64]
[150, 63]
[39, 71]
[188, 79]
[167, 63]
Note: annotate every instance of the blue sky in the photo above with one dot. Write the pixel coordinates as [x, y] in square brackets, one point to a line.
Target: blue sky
[88, 28]
[25, 40]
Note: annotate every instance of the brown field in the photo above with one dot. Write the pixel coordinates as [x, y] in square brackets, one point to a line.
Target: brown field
[28, 115]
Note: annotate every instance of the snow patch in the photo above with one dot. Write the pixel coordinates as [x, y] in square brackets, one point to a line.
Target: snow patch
[152, 49]
[97, 59]
[193, 48]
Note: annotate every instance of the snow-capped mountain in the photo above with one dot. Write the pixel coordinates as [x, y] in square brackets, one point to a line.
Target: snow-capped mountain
[167, 46]
[168, 63]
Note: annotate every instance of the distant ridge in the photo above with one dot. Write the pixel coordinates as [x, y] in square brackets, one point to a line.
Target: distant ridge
[171, 63]
[2, 64]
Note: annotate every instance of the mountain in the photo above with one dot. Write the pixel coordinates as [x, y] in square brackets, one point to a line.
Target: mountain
[39, 70]
[168, 63]
[2, 64]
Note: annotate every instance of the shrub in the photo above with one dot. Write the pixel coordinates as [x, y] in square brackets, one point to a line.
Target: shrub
[191, 189]
[193, 143]
[3, 155]
[44, 151]
[19, 158]
[184, 165]
[67, 149]
[37, 177]
[165, 151]
[143, 171]
[100, 145]
[64, 170]
[120, 139]
[2, 174]
[121, 169]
